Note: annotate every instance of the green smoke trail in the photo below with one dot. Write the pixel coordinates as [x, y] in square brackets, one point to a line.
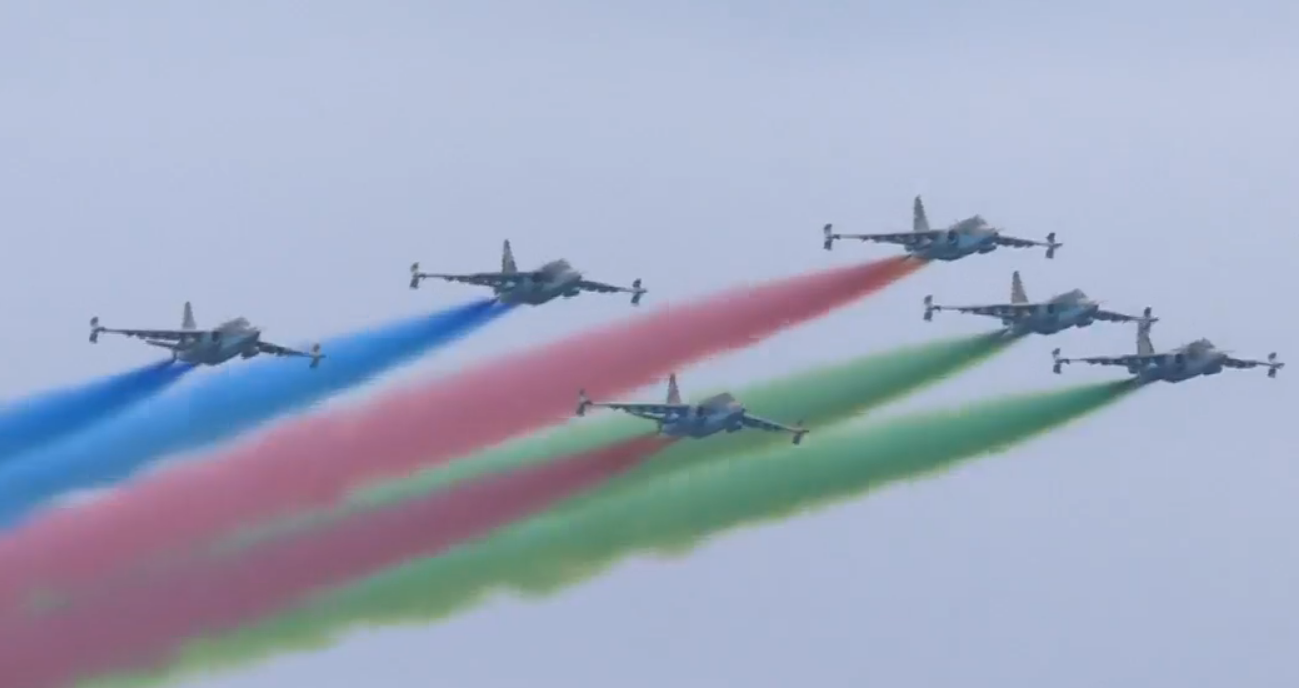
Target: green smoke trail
[675, 512]
[820, 397]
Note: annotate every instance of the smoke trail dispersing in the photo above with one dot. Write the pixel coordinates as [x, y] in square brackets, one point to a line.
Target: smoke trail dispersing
[27, 424]
[561, 548]
[819, 397]
[232, 400]
[144, 623]
[403, 430]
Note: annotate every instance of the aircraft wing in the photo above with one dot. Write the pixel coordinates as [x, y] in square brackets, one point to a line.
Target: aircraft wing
[647, 410]
[763, 424]
[178, 336]
[1125, 360]
[999, 310]
[1111, 316]
[904, 238]
[1232, 362]
[483, 279]
[1016, 242]
[277, 350]
[601, 287]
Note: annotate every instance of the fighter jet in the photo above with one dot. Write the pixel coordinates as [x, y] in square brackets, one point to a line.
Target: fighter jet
[708, 417]
[189, 344]
[1200, 357]
[1060, 312]
[535, 287]
[966, 237]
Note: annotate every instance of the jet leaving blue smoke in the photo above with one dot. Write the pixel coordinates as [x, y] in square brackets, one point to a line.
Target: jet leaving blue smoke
[27, 424]
[233, 400]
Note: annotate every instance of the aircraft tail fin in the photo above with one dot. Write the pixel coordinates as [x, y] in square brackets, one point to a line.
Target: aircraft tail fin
[919, 221]
[187, 321]
[1017, 293]
[507, 258]
[674, 394]
[1144, 345]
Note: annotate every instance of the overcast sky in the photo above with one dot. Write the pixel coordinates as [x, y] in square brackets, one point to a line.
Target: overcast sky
[287, 161]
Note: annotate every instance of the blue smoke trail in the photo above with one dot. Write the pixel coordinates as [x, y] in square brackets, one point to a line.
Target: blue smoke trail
[233, 400]
[28, 423]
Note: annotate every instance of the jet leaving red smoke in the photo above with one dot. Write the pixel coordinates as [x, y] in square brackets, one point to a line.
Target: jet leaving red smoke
[310, 462]
[141, 624]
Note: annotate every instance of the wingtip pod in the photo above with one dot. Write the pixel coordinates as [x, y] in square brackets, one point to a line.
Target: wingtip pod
[799, 432]
[929, 307]
[583, 402]
[636, 291]
[828, 231]
[95, 329]
[414, 275]
[1057, 361]
[1052, 245]
[1273, 365]
[316, 355]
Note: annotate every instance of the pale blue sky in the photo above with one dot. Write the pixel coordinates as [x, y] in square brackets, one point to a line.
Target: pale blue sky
[287, 161]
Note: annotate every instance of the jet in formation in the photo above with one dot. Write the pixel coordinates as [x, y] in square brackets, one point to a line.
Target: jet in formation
[189, 344]
[966, 237]
[1197, 358]
[721, 412]
[533, 287]
[1060, 312]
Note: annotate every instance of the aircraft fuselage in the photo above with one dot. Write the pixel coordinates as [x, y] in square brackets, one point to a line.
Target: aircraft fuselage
[216, 347]
[702, 422]
[956, 243]
[552, 281]
[1179, 366]
[1052, 317]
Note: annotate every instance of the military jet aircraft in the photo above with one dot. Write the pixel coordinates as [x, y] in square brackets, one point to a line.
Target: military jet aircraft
[721, 412]
[1060, 312]
[1200, 357]
[533, 287]
[960, 239]
[189, 344]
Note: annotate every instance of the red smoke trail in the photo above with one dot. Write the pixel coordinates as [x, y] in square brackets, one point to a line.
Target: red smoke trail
[310, 462]
[142, 625]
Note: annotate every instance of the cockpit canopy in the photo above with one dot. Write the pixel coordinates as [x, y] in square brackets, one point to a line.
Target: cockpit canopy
[971, 223]
[555, 268]
[236, 325]
[718, 401]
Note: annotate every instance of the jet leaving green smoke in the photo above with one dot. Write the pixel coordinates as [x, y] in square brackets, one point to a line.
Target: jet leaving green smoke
[678, 511]
[819, 397]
